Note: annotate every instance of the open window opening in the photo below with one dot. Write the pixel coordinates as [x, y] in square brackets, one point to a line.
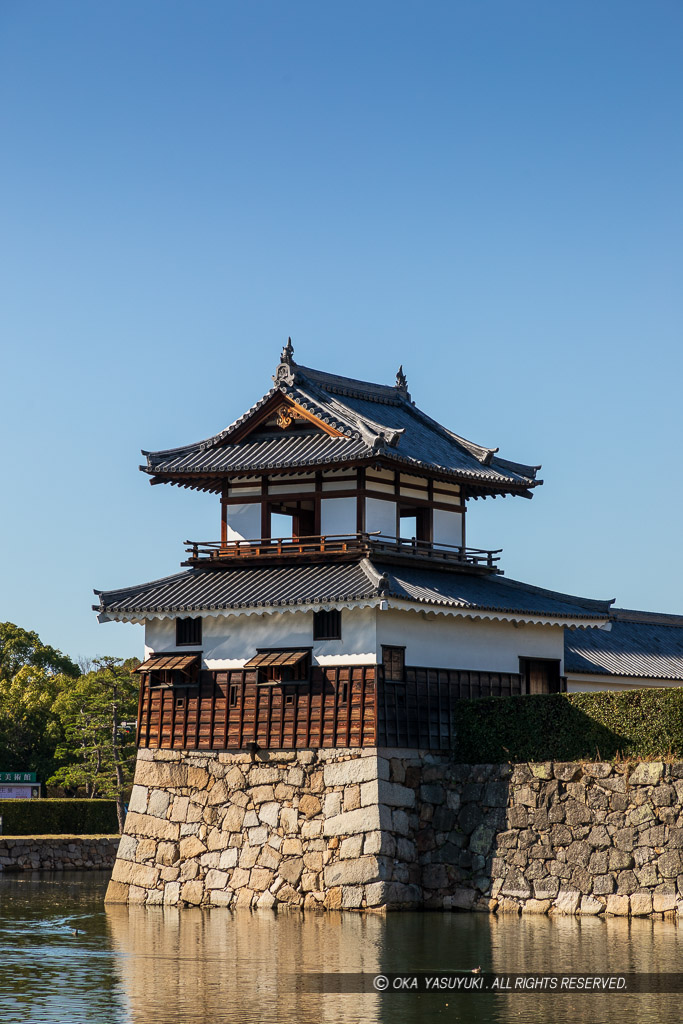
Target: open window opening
[291, 520]
[540, 675]
[414, 523]
[327, 625]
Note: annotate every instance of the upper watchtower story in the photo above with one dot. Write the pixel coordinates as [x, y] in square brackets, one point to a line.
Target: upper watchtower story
[325, 467]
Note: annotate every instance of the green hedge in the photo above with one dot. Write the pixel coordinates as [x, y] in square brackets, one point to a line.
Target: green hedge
[58, 817]
[567, 727]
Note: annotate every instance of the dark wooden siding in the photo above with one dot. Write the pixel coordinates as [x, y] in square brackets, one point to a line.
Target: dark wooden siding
[228, 710]
[346, 706]
[418, 711]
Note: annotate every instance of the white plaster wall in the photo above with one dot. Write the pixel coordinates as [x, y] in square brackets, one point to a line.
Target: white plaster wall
[230, 641]
[449, 642]
[591, 683]
[447, 527]
[337, 515]
[244, 521]
[380, 515]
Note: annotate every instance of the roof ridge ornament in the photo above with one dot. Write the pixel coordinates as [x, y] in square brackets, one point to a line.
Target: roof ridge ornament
[402, 383]
[285, 373]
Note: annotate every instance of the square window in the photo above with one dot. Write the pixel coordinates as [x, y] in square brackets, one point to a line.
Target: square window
[188, 632]
[393, 660]
[327, 625]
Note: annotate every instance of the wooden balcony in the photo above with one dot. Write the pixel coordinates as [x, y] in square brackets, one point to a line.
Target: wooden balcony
[337, 547]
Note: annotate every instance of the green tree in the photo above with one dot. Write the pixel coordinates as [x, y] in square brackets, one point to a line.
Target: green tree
[97, 713]
[19, 647]
[29, 728]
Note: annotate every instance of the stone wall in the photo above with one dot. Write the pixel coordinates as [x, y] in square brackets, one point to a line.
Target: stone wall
[387, 828]
[57, 853]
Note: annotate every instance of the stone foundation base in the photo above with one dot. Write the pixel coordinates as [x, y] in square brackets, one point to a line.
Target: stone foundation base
[378, 829]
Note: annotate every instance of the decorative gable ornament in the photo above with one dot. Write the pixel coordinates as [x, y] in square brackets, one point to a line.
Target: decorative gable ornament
[285, 373]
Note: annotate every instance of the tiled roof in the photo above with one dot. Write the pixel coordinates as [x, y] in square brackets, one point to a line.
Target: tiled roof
[280, 586]
[375, 420]
[640, 644]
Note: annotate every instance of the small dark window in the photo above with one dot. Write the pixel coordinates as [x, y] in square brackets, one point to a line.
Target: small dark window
[540, 675]
[180, 703]
[327, 625]
[233, 696]
[394, 662]
[188, 632]
[345, 693]
[289, 699]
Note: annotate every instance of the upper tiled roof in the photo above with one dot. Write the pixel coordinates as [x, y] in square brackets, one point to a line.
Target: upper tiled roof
[641, 644]
[279, 586]
[376, 422]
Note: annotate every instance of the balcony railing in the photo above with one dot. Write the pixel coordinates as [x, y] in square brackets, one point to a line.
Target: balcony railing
[337, 546]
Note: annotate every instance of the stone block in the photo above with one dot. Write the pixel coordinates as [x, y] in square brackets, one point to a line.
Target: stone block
[311, 829]
[618, 906]
[180, 808]
[161, 775]
[233, 819]
[266, 901]
[376, 894]
[143, 875]
[641, 904]
[481, 840]
[171, 893]
[291, 869]
[148, 825]
[603, 885]
[566, 771]
[357, 769]
[434, 876]
[379, 842]
[289, 819]
[365, 819]
[190, 847]
[288, 895]
[309, 806]
[567, 902]
[216, 879]
[167, 854]
[590, 907]
[647, 773]
[536, 906]
[670, 864]
[352, 897]
[260, 879]
[217, 840]
[117, 892]
[351, 847]
[353, 872]
[664, 898]
[158, 803]
[192, 892]
[127, 848]
[508, 906]
[138, 799]
[228, 859]
[332, 805]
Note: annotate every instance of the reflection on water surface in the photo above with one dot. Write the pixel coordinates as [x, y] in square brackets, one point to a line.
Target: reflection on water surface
[138, 965]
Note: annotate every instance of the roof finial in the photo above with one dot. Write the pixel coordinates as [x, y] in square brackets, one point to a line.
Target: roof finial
[285, 372]
[402, 381]
[287, 352]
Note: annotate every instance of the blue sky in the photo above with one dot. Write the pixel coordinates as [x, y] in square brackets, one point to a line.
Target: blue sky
[489, 193]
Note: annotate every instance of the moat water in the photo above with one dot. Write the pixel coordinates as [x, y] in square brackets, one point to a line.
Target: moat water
[141, 965]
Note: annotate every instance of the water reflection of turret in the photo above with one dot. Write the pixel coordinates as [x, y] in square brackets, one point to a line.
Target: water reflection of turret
[193, 965]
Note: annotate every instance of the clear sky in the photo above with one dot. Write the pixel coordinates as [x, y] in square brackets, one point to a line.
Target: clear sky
[488, 192]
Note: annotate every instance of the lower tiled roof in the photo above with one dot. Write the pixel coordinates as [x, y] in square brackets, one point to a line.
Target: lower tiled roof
[640, 644]
[279, 586]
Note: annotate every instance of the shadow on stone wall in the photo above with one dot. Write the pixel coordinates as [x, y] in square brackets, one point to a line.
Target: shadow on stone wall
[552, 837]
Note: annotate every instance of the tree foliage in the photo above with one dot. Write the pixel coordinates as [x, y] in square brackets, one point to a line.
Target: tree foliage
[97, 714]
[20, 648]
[29, 727]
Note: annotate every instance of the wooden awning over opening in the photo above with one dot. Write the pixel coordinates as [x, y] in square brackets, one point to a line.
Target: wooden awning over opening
[186, 663]
[280, 658]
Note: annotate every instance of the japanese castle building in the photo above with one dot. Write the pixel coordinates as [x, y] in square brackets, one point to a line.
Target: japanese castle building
[339, 605]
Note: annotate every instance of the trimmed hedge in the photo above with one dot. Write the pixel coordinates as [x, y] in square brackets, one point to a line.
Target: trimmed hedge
[58, 817]
[567, 727]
